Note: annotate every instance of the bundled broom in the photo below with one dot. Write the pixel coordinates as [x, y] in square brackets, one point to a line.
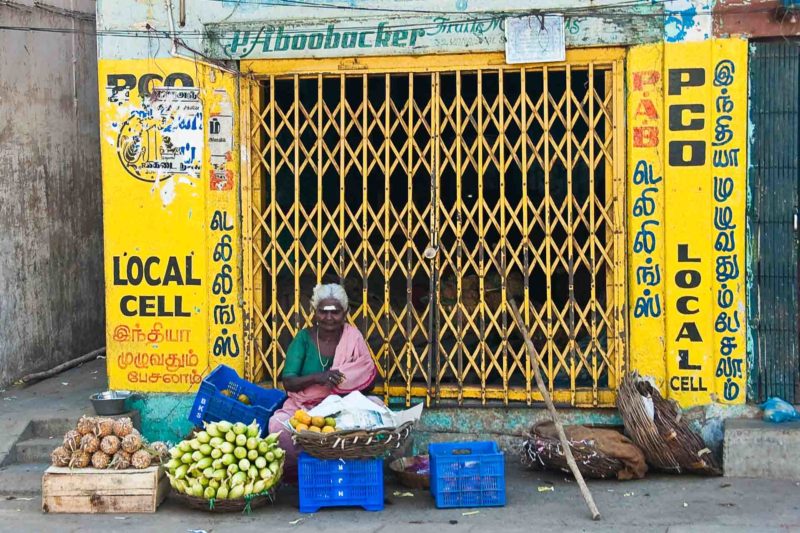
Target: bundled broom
[655, 425]
[543, 452]
[600, 453]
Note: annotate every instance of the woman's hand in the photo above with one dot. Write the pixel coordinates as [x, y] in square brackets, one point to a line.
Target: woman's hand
[330, 378]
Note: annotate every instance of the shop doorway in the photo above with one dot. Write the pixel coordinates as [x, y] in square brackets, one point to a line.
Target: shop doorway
[775, 112]
[436, 189]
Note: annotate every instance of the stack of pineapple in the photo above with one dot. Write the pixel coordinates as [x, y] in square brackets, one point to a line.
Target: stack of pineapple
[107, 443]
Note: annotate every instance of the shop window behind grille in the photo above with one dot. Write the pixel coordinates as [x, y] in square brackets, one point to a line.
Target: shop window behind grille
[436, 197]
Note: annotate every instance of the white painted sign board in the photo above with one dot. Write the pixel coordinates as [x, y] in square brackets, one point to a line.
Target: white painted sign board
[400, 35]
[535, 39]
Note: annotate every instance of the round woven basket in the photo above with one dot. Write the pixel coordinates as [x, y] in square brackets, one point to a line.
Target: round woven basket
[353, 444]
[408, 479]
[242, 505]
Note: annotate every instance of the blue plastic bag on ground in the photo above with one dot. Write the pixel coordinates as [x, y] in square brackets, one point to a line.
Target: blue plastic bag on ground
[777, 410]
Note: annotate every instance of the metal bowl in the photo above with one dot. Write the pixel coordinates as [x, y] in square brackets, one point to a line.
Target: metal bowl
[110, 402]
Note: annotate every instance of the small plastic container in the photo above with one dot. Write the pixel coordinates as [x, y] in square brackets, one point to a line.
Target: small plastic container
[467, 474]
[339, 483]
[210, 405]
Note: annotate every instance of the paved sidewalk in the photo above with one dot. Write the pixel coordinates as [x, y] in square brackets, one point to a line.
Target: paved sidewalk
[657, 503]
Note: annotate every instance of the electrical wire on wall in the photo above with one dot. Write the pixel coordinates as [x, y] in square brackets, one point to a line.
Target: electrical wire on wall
[343, 7]
[615, 12]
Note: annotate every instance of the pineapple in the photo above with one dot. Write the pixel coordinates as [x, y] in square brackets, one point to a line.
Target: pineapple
[123, 427]
[132, 443]
[79, 459]
[90, 443]
[141, 459]
[86, 425]
[110, 444]
[72, 440]
[121, 460]
[100, 460]
[160, 452]
[104, 427]
[60, 456]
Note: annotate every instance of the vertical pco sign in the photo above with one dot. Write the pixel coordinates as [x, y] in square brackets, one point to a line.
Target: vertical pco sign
[688, 289]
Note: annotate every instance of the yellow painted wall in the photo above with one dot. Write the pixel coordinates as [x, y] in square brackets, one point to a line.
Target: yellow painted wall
[686, 171]
[172, 235]
[171, 203]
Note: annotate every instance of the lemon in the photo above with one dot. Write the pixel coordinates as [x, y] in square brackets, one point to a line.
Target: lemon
[244, 399]
[294, 422]
[328, 429]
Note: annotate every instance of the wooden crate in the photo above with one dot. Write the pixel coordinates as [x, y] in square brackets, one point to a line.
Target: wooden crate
[88, 490]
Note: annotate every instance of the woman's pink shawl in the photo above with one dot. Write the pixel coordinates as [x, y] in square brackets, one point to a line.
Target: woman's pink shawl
[352, 358]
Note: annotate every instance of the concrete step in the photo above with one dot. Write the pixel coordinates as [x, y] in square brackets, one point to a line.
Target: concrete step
[55, 427]
[758, 449]
[22, 480]
[35, 450]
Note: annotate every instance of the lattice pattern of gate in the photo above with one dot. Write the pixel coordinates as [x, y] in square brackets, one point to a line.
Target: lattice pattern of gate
[437, 189]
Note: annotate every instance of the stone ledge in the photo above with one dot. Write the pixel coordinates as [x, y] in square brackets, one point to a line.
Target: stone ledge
[757, 449]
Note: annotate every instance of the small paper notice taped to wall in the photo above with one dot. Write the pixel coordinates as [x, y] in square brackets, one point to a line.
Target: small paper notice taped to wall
[535, 39]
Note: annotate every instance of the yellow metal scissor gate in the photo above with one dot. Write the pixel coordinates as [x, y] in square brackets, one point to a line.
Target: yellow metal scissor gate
[437, 188]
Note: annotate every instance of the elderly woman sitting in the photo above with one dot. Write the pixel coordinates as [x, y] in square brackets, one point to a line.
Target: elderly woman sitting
[331, 357]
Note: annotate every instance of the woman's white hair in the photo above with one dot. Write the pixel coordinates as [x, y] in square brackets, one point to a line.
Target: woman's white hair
[332, 291]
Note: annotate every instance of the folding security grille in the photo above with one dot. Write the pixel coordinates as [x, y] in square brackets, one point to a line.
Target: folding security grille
[436, 189]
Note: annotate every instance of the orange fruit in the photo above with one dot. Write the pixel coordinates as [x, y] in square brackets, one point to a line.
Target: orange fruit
[318, 421]
[294, 422]
[302, 417]
[315, 429]
[301, 427]
[328, 429]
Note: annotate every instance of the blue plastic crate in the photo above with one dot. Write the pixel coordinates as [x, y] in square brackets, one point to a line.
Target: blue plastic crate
[467, 474]
[339, 483]
[210, 405]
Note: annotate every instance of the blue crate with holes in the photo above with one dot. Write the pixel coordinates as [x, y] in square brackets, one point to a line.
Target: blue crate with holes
[467, 474]
[211, 405]
[339, 483]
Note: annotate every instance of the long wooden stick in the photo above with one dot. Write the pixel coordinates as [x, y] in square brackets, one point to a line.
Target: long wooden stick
[553, 413]
[38, 376]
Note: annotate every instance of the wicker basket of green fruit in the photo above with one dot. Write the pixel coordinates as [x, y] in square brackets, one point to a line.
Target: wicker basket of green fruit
[226, 467]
